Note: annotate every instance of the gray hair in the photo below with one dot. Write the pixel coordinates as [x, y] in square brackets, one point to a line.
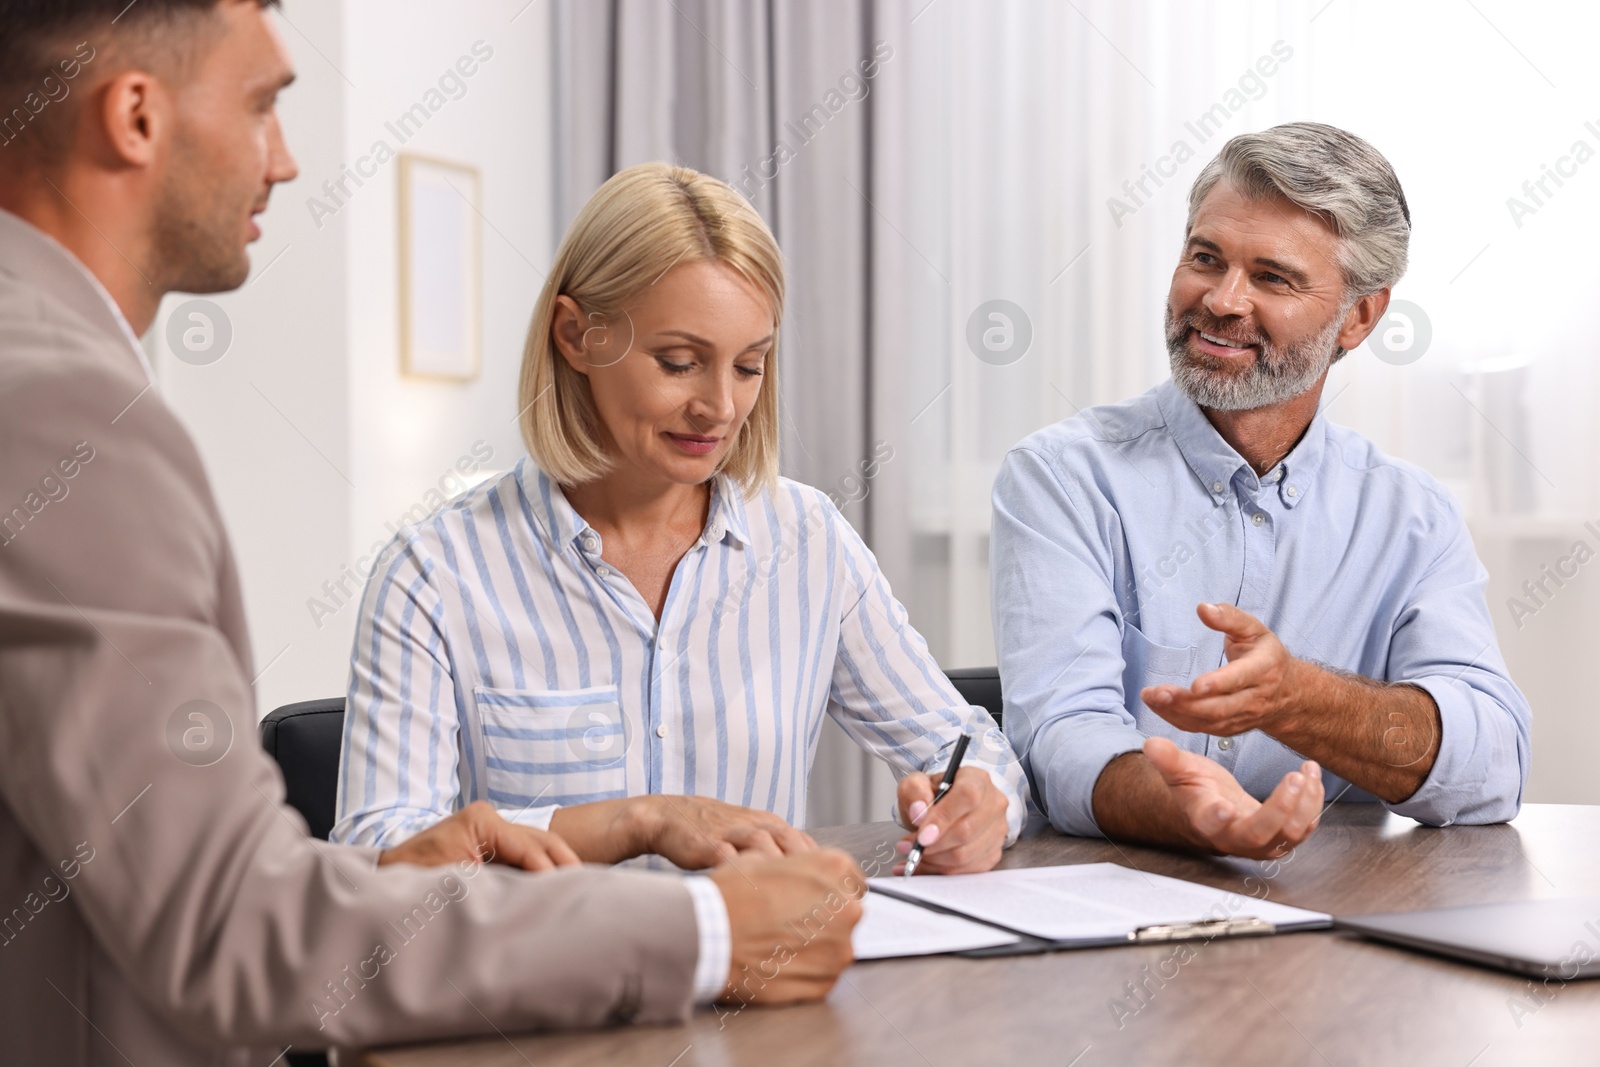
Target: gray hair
[1332, 174]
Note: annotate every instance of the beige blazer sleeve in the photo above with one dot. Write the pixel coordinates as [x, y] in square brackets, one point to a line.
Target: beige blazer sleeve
[154, 910]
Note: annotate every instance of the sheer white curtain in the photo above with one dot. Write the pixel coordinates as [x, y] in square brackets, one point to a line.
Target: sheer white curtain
[1017, 151]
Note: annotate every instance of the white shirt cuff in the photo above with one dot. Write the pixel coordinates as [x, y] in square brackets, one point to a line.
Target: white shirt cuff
[716, 939]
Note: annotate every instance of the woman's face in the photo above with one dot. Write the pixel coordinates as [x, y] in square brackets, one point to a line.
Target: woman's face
[675, 376]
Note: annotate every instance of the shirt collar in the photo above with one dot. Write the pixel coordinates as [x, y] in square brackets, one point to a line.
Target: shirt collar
[563, 524]
[1215, 462]
[727, 518]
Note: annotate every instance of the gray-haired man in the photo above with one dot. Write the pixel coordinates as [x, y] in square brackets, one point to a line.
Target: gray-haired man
[1344, 622]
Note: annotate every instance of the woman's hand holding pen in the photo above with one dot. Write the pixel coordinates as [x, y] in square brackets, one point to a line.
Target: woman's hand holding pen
[963, 833]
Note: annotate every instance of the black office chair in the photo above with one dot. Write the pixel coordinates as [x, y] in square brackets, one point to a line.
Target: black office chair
[980, 686]
[304, 738]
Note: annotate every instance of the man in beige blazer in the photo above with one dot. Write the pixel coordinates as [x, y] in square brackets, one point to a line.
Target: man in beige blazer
[157, 911]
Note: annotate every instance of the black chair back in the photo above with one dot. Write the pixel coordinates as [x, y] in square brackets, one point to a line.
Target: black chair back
[305, 739]
[979, 686]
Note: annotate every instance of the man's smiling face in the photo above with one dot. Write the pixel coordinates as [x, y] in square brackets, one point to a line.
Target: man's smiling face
[1258, 302]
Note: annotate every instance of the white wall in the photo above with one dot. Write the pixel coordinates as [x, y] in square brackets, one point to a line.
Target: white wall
[312, 438]
[407, 433]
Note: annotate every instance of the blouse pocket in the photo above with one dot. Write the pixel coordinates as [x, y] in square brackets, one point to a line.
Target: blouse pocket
[564, 746]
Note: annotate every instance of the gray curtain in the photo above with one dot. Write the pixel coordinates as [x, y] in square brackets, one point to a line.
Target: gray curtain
[769, 96]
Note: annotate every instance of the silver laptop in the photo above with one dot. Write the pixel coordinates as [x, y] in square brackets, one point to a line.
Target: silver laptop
[1544, 938]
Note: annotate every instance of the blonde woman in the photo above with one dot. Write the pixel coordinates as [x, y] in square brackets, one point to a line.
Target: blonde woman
[632, 637]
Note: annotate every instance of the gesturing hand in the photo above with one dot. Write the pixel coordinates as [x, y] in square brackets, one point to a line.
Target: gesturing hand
[1226, 819]
[790, 919]
[963, 833]
[478, 834]
[1249, 692]
[696, 832]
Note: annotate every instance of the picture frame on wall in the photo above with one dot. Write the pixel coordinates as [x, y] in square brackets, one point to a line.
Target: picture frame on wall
[441, 246]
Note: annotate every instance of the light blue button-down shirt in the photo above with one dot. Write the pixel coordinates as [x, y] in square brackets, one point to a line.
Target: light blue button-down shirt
[1109, 529]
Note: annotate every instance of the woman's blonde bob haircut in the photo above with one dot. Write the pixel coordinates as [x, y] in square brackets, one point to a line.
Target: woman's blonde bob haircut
[640, 224]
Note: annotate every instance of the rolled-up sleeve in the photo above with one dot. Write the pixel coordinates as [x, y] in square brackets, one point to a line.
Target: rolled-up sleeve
[1058, 632]
[1444, 643]
[890, 695]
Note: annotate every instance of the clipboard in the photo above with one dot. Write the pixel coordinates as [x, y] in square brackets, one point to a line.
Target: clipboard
[1096, 905]
[1198, 931]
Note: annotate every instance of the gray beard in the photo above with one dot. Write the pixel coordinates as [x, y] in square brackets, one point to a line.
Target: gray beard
[1279, 374]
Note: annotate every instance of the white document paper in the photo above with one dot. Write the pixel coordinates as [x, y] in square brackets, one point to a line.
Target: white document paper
[1087, 901]
[891, 927]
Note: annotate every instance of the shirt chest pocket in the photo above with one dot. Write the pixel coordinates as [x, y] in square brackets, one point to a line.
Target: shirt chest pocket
[541, 747]
[1147, 663]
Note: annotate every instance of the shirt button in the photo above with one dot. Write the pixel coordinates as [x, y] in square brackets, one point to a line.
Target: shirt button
[1225, 744]
[605, 572]
[589, 542]
[1258, 518]
[1292, 491]
[661, 731]
[1216, 487]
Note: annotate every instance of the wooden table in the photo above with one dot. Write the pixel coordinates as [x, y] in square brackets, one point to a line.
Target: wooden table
[1310, 998]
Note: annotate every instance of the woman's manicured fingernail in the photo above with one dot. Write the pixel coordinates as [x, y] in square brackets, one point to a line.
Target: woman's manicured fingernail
[928, 835]
[918, 809]
[1294, 783]
[903, 847]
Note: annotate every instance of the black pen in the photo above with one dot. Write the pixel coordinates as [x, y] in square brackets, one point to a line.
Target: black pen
[914, 857]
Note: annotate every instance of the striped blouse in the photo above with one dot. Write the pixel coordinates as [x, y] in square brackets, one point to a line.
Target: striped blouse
[499, 657]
